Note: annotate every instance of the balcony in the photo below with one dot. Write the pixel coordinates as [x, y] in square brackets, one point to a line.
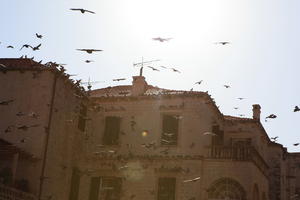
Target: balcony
[245, 153]
[9, 193]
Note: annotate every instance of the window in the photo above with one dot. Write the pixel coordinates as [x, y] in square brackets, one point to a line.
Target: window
[112, 130]
[105, 188]
[169, 129]
[75, 180]
[219, 138]
[166, 188]
[82, 118]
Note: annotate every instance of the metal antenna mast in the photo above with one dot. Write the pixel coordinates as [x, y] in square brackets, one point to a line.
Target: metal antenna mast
[141, 64]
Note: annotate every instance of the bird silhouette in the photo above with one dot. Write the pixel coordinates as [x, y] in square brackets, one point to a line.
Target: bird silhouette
[235, 108]
[119, 79]
[240, 98]
[199, 82]
[296, 144]
[88, 61]
[175, 70]
[38, 36]
[161, 39]
[163, 67]
[2, 66]
[154, 69]
[5, 103]
[25, 46]
[10, 47]
[37, 47]
[296, 109]
[210, 133]
[271, 116]
[274, 138]
[222, 43]
[89, 51]
[82, 10]
[226, 86]
[192, 180]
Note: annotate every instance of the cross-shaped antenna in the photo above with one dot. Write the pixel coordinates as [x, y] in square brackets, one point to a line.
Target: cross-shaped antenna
[141, 64]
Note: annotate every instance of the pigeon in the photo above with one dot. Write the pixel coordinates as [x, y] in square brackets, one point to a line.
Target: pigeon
[222, 43]
[82, 10]
[37, 47]
[5, 103]
[175, 70]
[274, 138]
[272, 116]
[296, 144]
[199, 82]
[210, 133]
[2, 66]
[161, 39]
[296, 109]
[154, 69]
[88, 61]
[38, 36]
[89, 51]
[235, 108]
[25, 46]
[226, 86]
[240, 98]
[192, 180]
[119, 79]
[10, 47]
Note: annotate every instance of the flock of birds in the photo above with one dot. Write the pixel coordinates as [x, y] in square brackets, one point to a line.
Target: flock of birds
[158, 39]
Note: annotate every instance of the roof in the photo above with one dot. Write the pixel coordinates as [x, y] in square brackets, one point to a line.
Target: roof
[7, 150]
[19, 64]
[233, 118]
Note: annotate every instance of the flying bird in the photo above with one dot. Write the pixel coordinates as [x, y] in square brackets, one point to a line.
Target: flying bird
[192, 180]
[25, 46]
[272, 116]
[199, 82]
[11, 47]
[89, 51]
[226, 86]
[119, 79]
[161, 39]
[235, 108]
[163, 67]
[210, 133]
[37, 47]
[222, 43]
[296, 109]
[2, 66]
[88, 61]
[154, 69]
[296, 144]
[274, 138]
[82, 10]
[240, 98]
[5, 103]
[38, 36]
[175, 70]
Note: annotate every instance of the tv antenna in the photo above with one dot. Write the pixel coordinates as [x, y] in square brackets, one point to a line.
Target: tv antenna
[141, 64]
[89, 83]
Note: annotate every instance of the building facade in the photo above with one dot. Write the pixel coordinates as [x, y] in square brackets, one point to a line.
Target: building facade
[138, 142]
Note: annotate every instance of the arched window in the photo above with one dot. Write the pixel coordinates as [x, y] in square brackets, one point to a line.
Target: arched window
[227, 189]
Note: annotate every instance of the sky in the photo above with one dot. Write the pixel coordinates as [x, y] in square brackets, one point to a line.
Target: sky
[261, 63]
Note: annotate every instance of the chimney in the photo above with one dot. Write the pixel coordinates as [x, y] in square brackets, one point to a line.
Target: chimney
[139, 85]
[256, 112]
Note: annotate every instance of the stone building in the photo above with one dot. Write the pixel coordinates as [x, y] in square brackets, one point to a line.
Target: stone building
[39, 130]
[137, 142]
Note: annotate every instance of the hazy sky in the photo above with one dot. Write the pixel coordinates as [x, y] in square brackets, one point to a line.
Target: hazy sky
[260, 64]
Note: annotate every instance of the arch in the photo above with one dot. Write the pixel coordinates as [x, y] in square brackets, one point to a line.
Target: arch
[255, 192]
[226, 188]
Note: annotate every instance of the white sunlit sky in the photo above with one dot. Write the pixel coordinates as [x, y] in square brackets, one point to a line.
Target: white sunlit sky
[261, 63]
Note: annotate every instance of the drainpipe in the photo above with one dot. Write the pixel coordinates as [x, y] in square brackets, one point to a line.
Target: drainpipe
[47, 137]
